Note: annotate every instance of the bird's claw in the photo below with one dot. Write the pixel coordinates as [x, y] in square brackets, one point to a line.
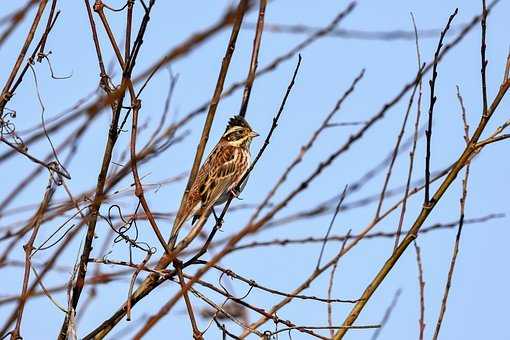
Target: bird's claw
[235, 193]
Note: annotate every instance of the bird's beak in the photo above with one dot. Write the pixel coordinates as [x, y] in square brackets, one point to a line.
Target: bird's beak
[253, 134]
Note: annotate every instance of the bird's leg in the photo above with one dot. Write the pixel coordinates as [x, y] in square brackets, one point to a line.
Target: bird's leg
[219, 221]
[235, 192]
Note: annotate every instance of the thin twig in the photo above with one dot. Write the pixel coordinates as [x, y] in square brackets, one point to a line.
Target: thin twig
[6, 91]
[412, 153]
[241, 9]
[337, 209]
[330, 285]
[250, 169]
[283, 242]
[483, 48]
[132, 283]
[433, 98]
[28, 247]
[197, 335]
[456, 246]
[421, 283]
[461, 162]
[254, 58]
[308, 145]
[52, 167]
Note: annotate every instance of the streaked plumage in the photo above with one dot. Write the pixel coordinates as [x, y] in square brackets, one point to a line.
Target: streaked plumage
[220, 174]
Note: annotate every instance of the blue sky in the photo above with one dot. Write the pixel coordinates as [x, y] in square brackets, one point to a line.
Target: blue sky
[478, 297]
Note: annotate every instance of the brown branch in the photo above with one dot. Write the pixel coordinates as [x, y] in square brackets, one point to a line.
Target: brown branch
[127, 67]
[241, 9]
[28, 247]
[38, 51]
[282, 242]
[412, 153]
[93, 291]
[166, 308]
[133, 280]
[421, 283]
[129, 20]
[396, 148]
[98, 8]
[14, 19]
[195, 40]
[6, 92]
[254, 58]
[49, 24]
[330, 285]
[248, 329]
[453, 259]
[222, 311]
[307, 146]
[456, 246]
[116, 106]
[52, 167]
[461, 162]
[253, 284]
[48, 265]
[251, 228]
[197, 335]
[254, 162]
[492, 140]
[101, 277]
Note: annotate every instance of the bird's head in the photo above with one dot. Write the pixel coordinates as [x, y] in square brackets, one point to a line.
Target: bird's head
[238, 132]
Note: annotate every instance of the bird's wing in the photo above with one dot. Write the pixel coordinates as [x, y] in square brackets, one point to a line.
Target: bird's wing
[193, 200]
[220, 177]
[220, 172]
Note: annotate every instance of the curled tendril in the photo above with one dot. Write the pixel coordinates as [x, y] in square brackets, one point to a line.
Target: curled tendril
[45, 56]
[129, 2]
[229, 273]
[125, 228]
[8, 129]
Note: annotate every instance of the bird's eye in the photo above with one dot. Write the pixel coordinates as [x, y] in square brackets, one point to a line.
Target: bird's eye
[234, 136]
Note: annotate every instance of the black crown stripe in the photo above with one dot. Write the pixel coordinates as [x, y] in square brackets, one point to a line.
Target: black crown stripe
[237, 121]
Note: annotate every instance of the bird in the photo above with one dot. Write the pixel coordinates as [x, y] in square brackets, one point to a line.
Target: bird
[220, 174]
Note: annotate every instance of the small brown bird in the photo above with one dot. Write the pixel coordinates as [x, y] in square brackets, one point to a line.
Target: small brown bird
[219, 175]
